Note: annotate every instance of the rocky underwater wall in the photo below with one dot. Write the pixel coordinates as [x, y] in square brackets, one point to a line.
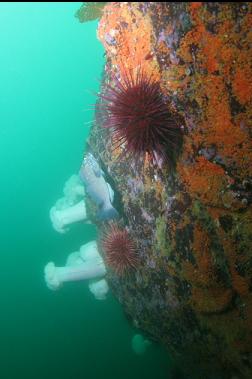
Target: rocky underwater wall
[189, 216]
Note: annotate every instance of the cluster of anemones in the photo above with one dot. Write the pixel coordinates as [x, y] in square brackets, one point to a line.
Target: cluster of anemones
[119, 249]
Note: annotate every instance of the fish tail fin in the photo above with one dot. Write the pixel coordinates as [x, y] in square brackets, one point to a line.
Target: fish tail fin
[107, 213]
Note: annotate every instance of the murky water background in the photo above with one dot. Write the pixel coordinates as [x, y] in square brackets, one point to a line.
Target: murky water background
[49, 65]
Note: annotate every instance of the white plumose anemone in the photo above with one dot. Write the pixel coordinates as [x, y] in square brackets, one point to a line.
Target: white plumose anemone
[86, 264]
[99, 288]
[71, 208]
[62, 215]
[73, 189]
[139, 344]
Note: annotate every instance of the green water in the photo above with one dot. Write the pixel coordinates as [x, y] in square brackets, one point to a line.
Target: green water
[49, 64]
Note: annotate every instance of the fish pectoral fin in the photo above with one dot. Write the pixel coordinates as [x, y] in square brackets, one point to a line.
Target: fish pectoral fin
[107, 213]
[111, 192]
[97, 172]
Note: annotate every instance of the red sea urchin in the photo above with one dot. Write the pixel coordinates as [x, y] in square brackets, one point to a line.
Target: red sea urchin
[140, 118]
[119, 249]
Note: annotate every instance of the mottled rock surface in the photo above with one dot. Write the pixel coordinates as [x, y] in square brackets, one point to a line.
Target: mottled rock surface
[193, 223]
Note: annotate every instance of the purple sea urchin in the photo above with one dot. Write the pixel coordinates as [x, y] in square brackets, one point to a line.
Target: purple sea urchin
[141, 121]
[119, 249]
